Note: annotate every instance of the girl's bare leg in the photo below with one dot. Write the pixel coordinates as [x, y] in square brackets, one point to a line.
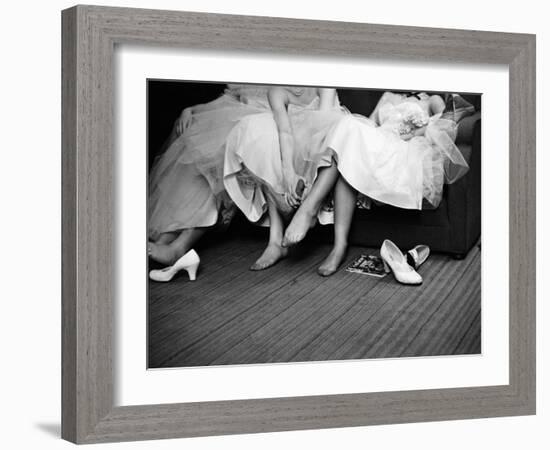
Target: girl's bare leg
[169, 253]
[167, 238]
[344, 207]
[306, 214]
[274, 250]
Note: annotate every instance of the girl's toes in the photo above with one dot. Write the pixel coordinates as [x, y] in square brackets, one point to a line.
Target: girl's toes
[325, 271]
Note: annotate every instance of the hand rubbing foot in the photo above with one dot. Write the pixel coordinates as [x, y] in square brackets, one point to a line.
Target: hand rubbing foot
[298, 227]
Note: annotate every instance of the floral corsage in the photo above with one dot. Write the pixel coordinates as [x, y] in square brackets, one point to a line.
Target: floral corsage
[412, 122]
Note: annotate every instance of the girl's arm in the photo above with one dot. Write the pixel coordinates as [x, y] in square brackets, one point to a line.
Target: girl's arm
[326, 97]
[278, 100]
[184, 120]
[437, 105]
[186, 117]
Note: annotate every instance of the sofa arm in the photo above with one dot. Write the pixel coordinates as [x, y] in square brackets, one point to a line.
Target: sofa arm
[465, 130]
[464, 199]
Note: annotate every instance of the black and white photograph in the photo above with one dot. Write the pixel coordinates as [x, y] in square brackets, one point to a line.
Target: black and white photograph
[296, 223]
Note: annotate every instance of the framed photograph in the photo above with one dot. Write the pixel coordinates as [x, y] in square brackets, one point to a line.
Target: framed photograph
[277, 224]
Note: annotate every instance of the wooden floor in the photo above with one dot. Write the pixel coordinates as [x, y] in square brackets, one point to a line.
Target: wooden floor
[288, 313]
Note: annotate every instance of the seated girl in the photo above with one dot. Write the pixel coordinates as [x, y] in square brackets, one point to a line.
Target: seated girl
[272, 159]
[186, 192]
[401, 156]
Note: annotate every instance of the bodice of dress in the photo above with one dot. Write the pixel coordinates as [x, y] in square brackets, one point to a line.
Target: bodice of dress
[302, 96]
[249, 94]
[308, 98]
[254, 94]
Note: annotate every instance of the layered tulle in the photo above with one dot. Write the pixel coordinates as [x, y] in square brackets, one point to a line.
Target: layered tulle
[253, 156]
[231, 151]
[383, 159]
[186, 183]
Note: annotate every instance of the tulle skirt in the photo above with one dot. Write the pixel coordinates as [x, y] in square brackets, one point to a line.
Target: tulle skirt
[382, 166]
[253, 156]
[186, 183]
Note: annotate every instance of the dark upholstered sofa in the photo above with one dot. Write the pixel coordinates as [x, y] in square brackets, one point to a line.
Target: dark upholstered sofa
[453, 227]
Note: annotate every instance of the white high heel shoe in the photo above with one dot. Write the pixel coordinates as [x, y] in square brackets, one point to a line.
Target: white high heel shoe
[418, 255]
[189, 262]
[396, 262]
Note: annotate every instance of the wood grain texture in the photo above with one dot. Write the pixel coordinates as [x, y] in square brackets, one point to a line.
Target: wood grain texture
[68, 224]
[87, 371]
[89, 36]
[231, 315]
[523, 223]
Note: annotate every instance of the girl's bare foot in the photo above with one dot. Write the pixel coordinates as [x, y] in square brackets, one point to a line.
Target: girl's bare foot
[332, 261]
[270, 256]
[162, 253]
[298, 227]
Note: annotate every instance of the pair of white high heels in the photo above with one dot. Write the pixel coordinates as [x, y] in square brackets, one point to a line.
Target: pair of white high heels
[404, 266]
[188, 262]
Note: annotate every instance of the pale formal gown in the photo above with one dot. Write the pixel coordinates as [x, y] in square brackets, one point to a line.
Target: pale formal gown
[375, 159]
[186, 182]
[253, 154]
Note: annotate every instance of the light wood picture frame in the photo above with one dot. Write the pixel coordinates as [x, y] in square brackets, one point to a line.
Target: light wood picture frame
[90, 34]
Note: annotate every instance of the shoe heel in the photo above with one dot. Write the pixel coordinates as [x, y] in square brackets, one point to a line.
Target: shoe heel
[387, 268]
[192, 271]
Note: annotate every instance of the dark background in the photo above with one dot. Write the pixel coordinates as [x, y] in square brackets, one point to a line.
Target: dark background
[165, 102]
[166, 99]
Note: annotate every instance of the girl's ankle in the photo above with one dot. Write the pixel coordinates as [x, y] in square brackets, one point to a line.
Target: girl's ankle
[340, 246]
